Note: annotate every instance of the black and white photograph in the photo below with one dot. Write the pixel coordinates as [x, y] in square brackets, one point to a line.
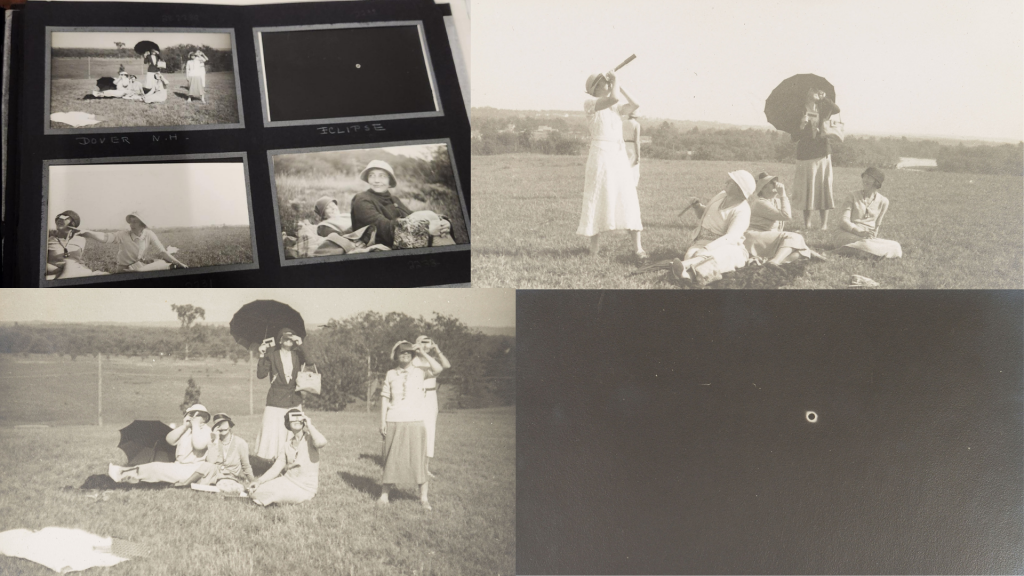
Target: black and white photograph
[145, 218]
[345, 72]
[368, 201]
[258, 431]
[133, 78]
[667, 144]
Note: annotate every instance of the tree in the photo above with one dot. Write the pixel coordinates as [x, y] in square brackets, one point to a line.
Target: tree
[192, 392]
[187, 315]
[120, 49]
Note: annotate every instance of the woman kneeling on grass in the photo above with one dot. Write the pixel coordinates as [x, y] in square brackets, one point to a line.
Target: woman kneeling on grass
[861, 218]
[132, 246]
[720, 234]
[294, 476]
[769, 212]
[191, 441]
[402, 408]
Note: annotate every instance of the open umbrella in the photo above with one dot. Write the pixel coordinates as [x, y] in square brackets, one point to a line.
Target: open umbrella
[785, 105]
[144, 441]
[261, 319]
[146, 46]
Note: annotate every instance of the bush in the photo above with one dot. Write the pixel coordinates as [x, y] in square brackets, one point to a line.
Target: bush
[191, 395]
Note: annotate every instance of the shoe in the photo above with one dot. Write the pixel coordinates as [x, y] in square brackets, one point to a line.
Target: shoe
[383, 502]
[430, 474]
[426, 505]
[114, 471]
[678, 272]
[643, 256]
[818, 256]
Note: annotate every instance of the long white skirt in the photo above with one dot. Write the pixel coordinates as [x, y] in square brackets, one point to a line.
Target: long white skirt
[871, 246]
[430, 420]
[610, 201]
[272, 433]
[729, 257]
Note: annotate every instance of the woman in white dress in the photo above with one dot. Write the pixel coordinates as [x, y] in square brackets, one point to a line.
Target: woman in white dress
[631, 136]
[723, 223]
[610, 201]
[430, 386]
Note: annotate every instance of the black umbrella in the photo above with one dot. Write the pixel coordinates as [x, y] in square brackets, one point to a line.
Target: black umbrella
[146, 46]
[144, 441]
[785, 105]
[262, 319]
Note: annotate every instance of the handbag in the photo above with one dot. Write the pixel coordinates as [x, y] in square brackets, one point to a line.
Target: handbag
[308, 381]
[834, 129]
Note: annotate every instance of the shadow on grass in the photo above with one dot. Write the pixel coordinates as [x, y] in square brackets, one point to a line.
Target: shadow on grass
[577, 252]
[375, 458]
[104, 482]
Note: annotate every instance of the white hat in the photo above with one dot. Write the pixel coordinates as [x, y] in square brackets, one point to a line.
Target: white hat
[138, 215]
[745, 181]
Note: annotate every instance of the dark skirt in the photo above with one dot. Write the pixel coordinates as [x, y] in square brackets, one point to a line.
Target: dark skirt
[405, 453]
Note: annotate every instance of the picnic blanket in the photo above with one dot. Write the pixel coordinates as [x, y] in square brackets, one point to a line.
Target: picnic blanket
[62, 550]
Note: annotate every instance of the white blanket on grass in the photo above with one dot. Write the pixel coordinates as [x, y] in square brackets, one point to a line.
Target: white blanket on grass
[62, 550]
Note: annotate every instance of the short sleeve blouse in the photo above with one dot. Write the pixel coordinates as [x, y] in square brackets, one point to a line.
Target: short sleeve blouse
[405, 388]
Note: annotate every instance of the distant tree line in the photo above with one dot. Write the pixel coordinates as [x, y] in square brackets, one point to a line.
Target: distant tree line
[174, 56]
[569, 136]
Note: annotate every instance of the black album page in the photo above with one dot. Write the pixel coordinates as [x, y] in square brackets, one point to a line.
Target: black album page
[307, 145]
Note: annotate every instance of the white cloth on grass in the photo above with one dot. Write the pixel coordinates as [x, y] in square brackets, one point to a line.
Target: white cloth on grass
[76, 119]
[59, 549]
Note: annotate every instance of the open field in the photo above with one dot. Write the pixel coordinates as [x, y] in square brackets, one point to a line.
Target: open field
[471, 530]
[197, 247]
[957, 230]
[68, 94]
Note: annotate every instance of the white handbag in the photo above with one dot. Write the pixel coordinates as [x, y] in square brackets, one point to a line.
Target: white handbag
[308, 381]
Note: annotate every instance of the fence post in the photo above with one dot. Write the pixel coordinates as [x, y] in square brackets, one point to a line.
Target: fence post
[250, 383]
[88, 59]
[99, 393]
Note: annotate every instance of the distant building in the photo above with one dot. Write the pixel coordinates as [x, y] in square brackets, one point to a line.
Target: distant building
[510, 128]
[542, 133]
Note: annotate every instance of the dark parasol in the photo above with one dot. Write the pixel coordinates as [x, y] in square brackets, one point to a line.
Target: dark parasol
[146, 46]
[144, 441]
[262, 319]
[785, 105]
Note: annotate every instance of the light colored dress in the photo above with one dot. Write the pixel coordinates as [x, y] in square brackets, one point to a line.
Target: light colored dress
[187, 461]
[299, 480]
[721, 234]
[860, 212]
[430, 407]
[766, 235]
[631, 137]
[227, 465]
[405, 445]
[196, 81]
[131, 249]
[610, 201]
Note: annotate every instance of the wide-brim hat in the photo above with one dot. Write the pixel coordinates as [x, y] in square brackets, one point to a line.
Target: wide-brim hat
[222, 417]
[876, 174]
[138, 215]
[763, 179]
[200, 409]
[745, 181]
[401, 346]
[321, 205]
[380, 165]
[73, 216]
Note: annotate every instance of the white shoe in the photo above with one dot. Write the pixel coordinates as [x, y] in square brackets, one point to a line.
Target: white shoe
[114, 471]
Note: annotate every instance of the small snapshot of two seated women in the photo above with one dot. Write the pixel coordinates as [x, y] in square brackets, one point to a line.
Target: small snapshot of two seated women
[745, 222]
[376, 221]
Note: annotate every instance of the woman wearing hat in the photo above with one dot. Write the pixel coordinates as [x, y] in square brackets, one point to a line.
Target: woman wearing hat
[431, 410]
[64, 245]
[227, 460]
[812, 183]
[769, 212]
[723, 223]
[610, 201]
[862, 215]
[378, 207]
[281, 364]
[191, 443]
[133, 245]
[402, 408]
[294, 476]
[631, 137]
[195, 73]
[158, 91]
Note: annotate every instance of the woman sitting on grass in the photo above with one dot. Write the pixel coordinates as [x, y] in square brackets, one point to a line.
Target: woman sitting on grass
[769, 212]
[862, 215]
[377, 207]
[132, 246]
[191, 441]
[402, 412]
[294, 476]
[158, 92]
[227, 460]
[720, 235]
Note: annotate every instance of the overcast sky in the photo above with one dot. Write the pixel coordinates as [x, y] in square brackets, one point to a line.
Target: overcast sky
[167, 195]
[909, 67]
[215, 40]
[475, 307]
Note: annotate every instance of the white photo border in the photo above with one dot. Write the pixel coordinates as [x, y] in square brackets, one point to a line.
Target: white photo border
[364, 255]
[47, 130]
[44, 283]
[265, 101]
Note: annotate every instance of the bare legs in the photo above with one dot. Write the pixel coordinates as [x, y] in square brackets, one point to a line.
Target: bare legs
[638, 249]
[823, 216]
[386, 489]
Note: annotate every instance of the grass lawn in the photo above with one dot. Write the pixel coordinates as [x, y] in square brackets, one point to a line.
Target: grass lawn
[221, 107]
[471, 530]
[957, 230]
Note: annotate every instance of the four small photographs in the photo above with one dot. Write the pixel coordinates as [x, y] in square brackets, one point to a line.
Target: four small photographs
[345, 72]
[135, 79]
[359, 202]
[111, 219]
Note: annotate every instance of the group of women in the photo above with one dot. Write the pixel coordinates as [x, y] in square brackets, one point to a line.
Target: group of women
[65, 247]
[212, 455]
[153, 88]
[746, 220]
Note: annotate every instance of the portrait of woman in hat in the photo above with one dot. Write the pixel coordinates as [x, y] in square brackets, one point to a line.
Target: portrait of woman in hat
[861, 218]
[191, 441]
[281, 363]
[377, 207]
[293, 478]
[402, 410]
[610, 200]
[227, 459]
[64, 244]
[766, 237]
[133, 246]
[720, 234]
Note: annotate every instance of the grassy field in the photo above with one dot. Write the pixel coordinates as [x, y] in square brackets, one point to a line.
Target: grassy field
[69, 87]
[197, 247]
[471, 530]
[957, 230]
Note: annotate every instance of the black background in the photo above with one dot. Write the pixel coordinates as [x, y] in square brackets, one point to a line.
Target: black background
[22, 233]
[312, 73]
[627, 463]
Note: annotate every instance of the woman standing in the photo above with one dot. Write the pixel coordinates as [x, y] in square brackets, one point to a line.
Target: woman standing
[610, 201]
[723, 223]
[812, 183]
[862, 216]
[769, 212]
[151, 59]
[195, 73]
[294, 476]
[631, 136]
[282, 365]
[430, 385]
[401, 421]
